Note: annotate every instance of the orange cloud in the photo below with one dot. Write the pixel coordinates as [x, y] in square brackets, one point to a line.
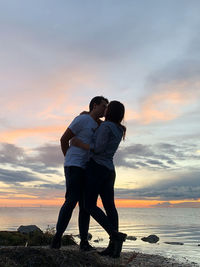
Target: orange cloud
[10, 136]
[165, 104]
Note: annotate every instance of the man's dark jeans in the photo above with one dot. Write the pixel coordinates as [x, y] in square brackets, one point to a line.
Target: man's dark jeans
[100, 181]
[75, 180]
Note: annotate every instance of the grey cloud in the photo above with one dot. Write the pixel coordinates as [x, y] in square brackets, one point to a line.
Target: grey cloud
[46, 159]
[50, 155]
[11, 153]
[103, 29]
[171, 162]
[160, 155]
[138, 156]
[121, 161]
[17, 177]
[59, 186]
[156, 163]
[185, 68]
[163, 205]
[177, 205]
[182, 69]
[185, 186]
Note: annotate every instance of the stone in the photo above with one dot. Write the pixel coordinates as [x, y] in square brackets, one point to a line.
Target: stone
[26, 229]
[131, 238]
[98, 240]
[174, 243]
[150, 239]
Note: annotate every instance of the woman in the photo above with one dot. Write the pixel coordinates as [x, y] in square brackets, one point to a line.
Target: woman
[100, 175]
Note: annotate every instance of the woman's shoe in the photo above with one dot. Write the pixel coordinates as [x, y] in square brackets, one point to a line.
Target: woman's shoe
[108, 251]
[117, 238]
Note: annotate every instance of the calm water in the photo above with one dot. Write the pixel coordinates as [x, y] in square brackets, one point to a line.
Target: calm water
[171, 225]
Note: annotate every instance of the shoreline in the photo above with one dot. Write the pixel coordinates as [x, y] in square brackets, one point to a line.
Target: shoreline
[72, 256]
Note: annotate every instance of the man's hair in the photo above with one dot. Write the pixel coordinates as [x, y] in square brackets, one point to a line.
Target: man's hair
[97, 100]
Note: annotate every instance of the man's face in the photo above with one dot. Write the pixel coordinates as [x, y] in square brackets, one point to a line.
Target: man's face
[100, 109]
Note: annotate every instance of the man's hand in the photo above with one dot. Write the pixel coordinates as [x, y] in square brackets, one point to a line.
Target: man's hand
[64, 140]
[77, 142]
[84, 112]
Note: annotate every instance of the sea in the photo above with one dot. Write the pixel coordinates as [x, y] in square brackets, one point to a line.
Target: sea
[180, 225]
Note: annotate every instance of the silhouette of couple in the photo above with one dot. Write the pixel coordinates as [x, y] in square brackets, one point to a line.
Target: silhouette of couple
[89, 145]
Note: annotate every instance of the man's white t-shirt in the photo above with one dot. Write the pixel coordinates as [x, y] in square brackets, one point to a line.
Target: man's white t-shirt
[83, 126]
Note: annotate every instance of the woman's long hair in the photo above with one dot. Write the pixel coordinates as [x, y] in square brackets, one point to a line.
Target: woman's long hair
[115, 113]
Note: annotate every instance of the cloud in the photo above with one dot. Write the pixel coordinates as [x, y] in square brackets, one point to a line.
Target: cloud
[45, 159]
[157, 156]
[173, 89]
[191, 204]
[17, 177]
[57, 186]
[50, 155]
[140, 156]
[167, 101]
[181, 187]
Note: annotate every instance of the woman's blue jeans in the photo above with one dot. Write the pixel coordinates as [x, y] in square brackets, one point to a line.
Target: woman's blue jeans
[100, 181]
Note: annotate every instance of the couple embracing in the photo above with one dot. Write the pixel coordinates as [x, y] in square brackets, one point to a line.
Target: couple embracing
[89, 145]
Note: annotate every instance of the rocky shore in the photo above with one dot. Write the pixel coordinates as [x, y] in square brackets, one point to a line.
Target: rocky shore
[73, 257]
[29, 247]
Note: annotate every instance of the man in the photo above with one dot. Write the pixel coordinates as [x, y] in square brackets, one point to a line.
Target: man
[83, 127]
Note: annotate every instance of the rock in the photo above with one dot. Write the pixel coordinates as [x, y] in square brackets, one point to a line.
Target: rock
[198, 245]
[12, 238]
[151, 239]
[36, 238]
[98, 240]
[29, 229]
[174, 243]
[131, 238]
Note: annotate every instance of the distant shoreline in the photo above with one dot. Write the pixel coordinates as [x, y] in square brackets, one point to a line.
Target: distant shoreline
[58, 206]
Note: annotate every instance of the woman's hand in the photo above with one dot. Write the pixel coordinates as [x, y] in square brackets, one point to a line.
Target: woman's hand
[77, 142]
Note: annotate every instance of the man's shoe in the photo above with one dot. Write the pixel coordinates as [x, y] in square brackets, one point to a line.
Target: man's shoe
[56, 242]
[85, 246]
[108, 251]
[117, 239]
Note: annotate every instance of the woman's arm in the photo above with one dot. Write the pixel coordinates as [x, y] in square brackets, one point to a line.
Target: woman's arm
[100, 143]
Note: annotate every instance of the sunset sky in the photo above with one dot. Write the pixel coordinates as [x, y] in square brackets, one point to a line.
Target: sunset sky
[57, 55]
